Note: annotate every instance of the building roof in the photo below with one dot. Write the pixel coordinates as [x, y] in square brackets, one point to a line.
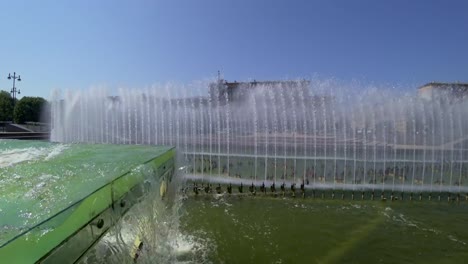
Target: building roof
[444, 85]
[258, 83]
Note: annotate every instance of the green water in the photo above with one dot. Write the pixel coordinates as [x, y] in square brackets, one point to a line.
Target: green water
[39, 179]
[258, 229]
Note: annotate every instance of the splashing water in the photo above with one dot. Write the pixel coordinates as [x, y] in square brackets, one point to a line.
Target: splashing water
[341, 136]
[12, 156]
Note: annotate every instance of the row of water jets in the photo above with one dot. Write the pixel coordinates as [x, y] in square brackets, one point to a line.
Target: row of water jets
[331, 135]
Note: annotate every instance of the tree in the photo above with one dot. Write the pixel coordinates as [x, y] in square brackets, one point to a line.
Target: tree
[6, 106]
[29, 109]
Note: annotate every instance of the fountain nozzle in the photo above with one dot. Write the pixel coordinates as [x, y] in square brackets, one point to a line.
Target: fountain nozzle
[252, 189]
[273, 188]
[208, 188]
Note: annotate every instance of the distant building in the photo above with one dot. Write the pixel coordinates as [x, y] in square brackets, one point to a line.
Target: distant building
[238, 91]
[453, 92]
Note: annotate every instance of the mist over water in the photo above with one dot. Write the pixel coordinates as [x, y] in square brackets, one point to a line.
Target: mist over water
[326, 133]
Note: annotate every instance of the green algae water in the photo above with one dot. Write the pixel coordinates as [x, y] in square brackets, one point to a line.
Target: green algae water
[247, 229]
[39, 179]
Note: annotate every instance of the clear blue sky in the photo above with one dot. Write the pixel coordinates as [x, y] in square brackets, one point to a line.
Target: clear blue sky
[77, 44]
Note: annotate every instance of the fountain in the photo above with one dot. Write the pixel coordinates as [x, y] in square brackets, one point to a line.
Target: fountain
[275, 141]
[327, 136]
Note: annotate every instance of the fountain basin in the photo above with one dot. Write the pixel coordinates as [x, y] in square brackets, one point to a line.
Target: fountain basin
[57, 200]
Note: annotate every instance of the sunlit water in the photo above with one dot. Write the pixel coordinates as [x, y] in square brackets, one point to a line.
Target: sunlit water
[222, 228]
[276, 230]
[333, 136]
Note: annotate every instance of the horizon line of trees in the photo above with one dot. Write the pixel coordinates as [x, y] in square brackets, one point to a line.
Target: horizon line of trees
[27, 109]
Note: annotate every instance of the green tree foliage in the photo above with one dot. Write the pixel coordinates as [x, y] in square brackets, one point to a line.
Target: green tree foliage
[6, 106]
[29, 109]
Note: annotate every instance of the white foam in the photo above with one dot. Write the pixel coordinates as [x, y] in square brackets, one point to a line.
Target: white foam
[34, 191]
[55, 151]
[11, 157]
[454, 239]
[183, 244]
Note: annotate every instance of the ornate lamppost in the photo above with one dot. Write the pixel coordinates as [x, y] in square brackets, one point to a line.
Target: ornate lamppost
[13, 89]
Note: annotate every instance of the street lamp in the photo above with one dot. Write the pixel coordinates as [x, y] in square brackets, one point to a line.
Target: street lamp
[14, 90]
